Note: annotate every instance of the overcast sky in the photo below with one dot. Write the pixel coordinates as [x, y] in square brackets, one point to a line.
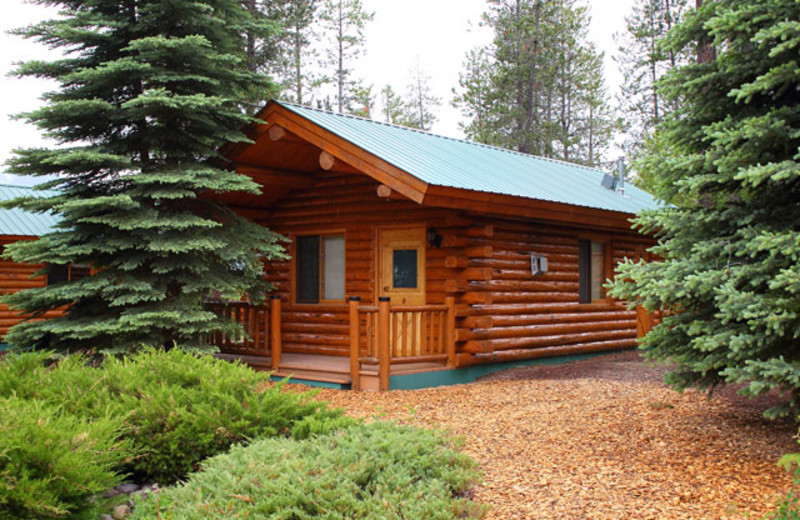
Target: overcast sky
[437, 32]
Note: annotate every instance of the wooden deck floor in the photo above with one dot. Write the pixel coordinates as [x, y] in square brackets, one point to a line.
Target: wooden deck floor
[333, 369]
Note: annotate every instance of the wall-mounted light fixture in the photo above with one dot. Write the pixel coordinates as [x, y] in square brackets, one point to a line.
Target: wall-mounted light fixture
[434, 238]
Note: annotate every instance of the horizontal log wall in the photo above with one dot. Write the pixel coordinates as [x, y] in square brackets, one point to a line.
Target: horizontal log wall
[347, 202]
[503, 312]
[15, 277]
[512, 314]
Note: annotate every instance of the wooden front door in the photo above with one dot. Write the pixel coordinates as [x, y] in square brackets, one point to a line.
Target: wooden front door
[402, 278]
[402, 265]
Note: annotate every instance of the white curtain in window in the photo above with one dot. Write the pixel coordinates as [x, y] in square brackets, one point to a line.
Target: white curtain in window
[333, 267]
[598, 270]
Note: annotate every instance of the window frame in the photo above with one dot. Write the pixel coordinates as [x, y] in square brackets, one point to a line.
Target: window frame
[70, 272]
[607, 260]
[294, 274]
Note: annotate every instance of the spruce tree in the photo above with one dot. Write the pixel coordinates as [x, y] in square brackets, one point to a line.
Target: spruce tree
[728, 278]
[148, 92]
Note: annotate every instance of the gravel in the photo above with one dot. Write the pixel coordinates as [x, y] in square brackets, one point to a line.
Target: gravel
[602, 439]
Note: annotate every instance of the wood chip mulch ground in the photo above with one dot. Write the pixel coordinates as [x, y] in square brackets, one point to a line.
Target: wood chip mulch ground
[601, 438]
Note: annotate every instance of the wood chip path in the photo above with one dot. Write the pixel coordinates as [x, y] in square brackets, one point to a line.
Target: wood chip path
[601, 439]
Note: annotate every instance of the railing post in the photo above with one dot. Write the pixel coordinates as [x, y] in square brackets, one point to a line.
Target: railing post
[450, 331]
[355, 347]
[275, 330]
[383, 343]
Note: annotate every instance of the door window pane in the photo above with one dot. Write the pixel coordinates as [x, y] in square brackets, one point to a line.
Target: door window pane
[404, 268]
[598, 270]
[308, 269]
[333, 268]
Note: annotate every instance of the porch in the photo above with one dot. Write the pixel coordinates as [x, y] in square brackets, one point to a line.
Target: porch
[385, 340]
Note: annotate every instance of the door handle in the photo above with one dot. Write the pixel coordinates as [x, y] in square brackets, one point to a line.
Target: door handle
[385, 287]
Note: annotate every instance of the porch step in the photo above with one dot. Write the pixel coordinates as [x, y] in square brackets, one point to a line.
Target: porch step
[313, 365]
[325, 376]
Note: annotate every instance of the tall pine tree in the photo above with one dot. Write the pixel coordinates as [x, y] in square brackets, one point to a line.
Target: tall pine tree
[296, 49]
[416, 110]
[643, 61]
[474, 96]
[728, 280]
[149, 91]
[538, 88]
[421, 100]
[343, 23]
[394, 108]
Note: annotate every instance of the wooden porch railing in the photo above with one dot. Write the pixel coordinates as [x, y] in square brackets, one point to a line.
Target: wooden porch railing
[262, 325]
[400, 334]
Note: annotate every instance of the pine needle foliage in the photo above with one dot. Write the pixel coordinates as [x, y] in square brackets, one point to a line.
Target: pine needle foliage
[148, 92]
[729, 278]
[52, 464]
[377, 471]
[177, 407]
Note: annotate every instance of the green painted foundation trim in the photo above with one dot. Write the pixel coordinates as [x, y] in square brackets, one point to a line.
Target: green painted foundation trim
[309, 382]
[459, 376]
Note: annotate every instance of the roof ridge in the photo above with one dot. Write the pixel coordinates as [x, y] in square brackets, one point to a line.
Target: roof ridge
[426, 132]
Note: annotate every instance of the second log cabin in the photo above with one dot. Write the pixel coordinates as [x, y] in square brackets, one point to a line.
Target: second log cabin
[415, 252]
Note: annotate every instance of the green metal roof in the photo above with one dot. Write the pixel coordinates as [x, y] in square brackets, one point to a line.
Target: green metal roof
[23, 223]
[455, 163]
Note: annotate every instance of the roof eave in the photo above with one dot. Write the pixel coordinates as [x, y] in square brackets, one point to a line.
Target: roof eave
[534, 209]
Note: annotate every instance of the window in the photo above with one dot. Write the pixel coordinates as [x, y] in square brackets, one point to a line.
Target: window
[404, 268]
[58, 273]
[319, 268]
[591, 270]
[78, 271]
[69, 272]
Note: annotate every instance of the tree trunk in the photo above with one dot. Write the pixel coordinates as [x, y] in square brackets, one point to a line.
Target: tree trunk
[341, 59]
[250, 40]
[653, 66]
[668, 21]
[298, 74]
[705, 51]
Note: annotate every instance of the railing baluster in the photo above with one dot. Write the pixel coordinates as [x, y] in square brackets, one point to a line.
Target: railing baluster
[275, 332]
[252, 328]
[441, 333]
[255, 336]
[355, 340]
[432, 337]
[450, 345]
[414, 347]
[403, 333]
[384, 358]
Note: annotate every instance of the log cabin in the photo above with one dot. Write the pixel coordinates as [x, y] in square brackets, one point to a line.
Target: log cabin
[417, 258]
[15, 225]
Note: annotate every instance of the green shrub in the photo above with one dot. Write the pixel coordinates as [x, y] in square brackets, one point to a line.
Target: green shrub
[52, 464]
[180, 407]
[375, 471]
[789, 508]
